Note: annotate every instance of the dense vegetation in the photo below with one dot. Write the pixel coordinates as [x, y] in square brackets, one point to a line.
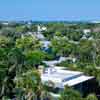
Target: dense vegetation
[21, 54]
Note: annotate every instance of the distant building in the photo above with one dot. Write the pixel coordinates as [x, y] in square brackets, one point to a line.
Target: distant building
[44, 28]
[85, 31]
[95, 22]
[58, 61]
[41, 28]
[5, 23]
[40, 36]
[46, 44]
[97, 29]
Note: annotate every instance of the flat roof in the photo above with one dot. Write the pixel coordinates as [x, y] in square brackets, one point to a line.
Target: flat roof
[64, 77]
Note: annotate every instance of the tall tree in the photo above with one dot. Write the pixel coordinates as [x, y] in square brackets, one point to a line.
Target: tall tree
[70, 94]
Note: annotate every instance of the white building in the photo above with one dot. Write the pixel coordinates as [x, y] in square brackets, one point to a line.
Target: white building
[5, 23]
[61, 77]
[85, 31]
[44, 28]
[41, 28]
[61, 59]
[46, 44]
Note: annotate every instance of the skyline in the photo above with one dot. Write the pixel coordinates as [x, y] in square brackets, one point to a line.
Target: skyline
[50, 10]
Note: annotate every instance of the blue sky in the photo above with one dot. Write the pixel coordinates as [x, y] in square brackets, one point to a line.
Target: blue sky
[50, 10]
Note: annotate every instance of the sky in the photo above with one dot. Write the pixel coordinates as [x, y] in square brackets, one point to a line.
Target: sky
[50, 10]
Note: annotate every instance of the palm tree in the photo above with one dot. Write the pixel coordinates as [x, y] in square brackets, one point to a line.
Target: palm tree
[29, 82]
[14, 59]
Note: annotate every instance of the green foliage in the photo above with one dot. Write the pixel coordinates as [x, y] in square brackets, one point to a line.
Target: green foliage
[19, 55]
[70, 94]
[5, 46]
[86, 50]
[28, 83]
[28, 80]
[91, 97]
[22, 29]
[61, 46]
[35, 57]
[75, 36]
[27, 42]
[58, 34]
[68, 64]
[4, 41]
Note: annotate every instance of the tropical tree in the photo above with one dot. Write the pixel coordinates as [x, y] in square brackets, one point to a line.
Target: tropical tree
[14, 65]
[35, 58]
[61, 46]
[91, 97]
[29, 84]
[28, 42]
[70, 94]
[5, 48]
[87, 52]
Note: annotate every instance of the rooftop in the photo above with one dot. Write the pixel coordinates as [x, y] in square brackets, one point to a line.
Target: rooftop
[61, 77]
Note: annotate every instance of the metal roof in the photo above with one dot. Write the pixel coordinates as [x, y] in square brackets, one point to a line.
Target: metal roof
[62, 77]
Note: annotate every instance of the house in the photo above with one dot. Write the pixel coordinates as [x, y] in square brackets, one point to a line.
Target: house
[86, 31]
[5, 23]
[58, 77]
[96, 29]
[58, 61]
[45, 44]
[41, 28]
